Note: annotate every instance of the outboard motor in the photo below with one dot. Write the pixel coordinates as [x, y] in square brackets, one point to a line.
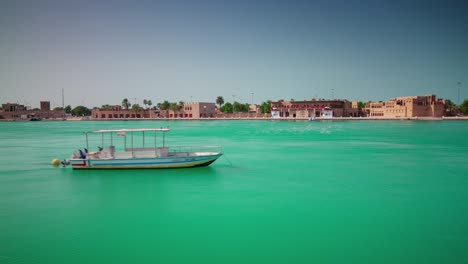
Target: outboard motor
[65, 163]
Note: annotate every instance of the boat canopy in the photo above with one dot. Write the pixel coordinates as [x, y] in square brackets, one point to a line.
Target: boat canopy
[122, 132]
[129, 130]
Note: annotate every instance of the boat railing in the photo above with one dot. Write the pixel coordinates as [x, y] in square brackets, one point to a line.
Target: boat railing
[142, 149]
[170, 151]
[184, 149]
[178, 149]
[157, 152]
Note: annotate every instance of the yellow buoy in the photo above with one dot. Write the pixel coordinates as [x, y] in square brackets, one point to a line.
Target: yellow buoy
[55, 162]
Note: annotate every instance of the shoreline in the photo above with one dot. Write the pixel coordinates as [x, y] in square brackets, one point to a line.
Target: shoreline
[450, 118]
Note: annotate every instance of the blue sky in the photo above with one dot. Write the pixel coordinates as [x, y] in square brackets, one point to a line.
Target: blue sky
[100, 52]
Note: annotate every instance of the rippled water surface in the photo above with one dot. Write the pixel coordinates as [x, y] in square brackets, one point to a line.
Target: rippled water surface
[284, 192]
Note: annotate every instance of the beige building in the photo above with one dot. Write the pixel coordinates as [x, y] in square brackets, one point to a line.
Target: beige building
[254, 108]
[316, 108]
[193, 110]
[409, 106]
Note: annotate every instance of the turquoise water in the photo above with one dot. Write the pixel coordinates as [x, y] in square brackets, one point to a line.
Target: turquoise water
[285, 192]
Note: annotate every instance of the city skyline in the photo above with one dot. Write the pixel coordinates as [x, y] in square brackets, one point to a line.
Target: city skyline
[101, 52]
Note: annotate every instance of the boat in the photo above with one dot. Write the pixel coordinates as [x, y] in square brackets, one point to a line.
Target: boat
[138, 155]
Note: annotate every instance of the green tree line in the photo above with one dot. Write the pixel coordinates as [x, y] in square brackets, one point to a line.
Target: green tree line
[238, 107]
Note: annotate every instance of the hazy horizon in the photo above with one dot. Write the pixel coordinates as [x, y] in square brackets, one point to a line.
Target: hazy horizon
[100, 52]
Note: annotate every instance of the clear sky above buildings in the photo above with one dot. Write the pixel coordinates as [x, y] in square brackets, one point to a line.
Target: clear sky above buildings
[100, 52]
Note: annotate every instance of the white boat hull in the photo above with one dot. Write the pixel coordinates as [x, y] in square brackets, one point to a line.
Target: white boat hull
[145, 163]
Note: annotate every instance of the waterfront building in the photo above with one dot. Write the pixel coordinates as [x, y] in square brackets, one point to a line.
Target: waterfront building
[254, 108]
[312, 109]
[117, 112]
[187, 110]
[18, 112]
[45, 106]
[8, 107]
[408, 106]
[193, 110]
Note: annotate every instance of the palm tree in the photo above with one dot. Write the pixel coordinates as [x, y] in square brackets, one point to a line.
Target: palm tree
[149, 103]
[106, 107]
[174, 106]
[136, 108]
[165, 105]
[464, 107]
[125, 103]
[145, 102]
[220, 101]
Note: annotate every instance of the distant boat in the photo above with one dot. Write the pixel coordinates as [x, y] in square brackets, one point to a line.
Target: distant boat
[146, 157]
[327, 113]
